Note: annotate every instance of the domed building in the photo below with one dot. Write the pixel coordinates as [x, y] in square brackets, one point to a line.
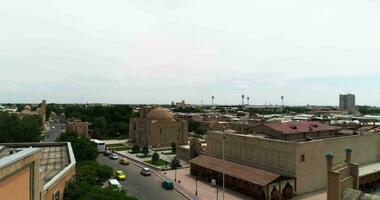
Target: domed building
[157, 127]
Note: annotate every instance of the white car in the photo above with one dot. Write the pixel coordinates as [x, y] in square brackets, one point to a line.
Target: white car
[145, 171]
[113, 156]
[115, 184]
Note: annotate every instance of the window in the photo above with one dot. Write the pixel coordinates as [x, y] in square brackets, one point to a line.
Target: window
[56, 196]
[303, 158]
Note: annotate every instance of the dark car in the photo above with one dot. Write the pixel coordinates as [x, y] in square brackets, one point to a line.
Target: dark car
[106, 153]
[167, 184]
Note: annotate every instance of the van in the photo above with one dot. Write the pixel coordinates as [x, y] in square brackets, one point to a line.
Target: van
[116, 186]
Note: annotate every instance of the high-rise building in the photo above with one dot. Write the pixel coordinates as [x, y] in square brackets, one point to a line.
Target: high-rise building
[347, 102]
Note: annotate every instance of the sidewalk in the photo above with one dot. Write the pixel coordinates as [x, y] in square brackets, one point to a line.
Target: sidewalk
[205, 190]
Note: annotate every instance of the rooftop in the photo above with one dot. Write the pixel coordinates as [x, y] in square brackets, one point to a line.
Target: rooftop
[243, 172]
[301, 127]
[369, 169]
[55, 156]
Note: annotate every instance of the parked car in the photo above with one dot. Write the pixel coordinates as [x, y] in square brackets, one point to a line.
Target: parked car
[167, 184]
[116, 186]
[119, 175]
[113, 156]
[107, 153]
[124, 161]
[145, 171]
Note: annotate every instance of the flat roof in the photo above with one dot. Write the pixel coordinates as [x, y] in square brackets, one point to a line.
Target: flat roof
[243, 172]
[368, 169]
[55, 157]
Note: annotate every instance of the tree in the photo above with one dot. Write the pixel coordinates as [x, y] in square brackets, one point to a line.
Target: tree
[84, 149]
[145, 150]
[174, 147]
[175, 163]
[20, 129]
[135, 148]
[93, 172]
[107, 121]
[195, 126]
[155, 157]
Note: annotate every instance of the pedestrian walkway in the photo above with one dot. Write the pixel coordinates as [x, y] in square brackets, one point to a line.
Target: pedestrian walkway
[205, 190]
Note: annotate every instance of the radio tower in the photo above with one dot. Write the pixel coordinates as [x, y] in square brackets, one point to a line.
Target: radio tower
[212, 100]
[242, 99]
[247, 100]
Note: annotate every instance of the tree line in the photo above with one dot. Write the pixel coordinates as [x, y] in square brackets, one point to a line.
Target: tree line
[107, 121]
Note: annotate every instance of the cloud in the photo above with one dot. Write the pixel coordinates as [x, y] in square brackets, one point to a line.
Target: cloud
[151, 51]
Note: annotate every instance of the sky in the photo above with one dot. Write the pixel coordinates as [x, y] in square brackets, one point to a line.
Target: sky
[158, 51]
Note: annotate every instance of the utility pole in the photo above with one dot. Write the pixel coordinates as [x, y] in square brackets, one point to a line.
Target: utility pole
[224, 139]
[196, 185]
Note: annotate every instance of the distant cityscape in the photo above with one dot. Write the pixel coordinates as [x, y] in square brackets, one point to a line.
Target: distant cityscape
[240, 151]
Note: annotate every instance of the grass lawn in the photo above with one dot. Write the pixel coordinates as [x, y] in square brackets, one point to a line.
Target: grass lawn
[143, 156]
[115, 145]
[158, 163]
[124, 148]
[168, 153]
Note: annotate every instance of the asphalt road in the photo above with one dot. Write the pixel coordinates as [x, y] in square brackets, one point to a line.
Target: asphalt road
[142, 187]
[54, 132]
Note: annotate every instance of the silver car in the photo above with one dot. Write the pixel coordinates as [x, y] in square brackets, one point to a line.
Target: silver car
[113, 156]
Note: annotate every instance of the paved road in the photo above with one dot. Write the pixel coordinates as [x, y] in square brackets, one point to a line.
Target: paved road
[54, 132]
[144, 188]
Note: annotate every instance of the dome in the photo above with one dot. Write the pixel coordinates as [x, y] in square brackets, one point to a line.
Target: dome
[160, 114]
[27, 108]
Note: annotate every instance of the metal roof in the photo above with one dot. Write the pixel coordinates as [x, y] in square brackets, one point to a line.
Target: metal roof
[243, 172]
[301, 127]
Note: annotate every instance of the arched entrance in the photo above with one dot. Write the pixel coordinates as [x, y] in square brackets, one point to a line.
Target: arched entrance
[287, 192]
[275, 195]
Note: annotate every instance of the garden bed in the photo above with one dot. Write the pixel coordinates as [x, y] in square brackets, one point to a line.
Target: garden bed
[157, 163]
[144, 156]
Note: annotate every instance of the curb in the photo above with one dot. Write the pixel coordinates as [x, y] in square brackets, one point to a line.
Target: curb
[159, 175]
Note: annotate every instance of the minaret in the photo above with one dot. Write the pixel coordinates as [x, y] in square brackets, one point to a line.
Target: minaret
[247, 100]
[212, 100]
[242, 99]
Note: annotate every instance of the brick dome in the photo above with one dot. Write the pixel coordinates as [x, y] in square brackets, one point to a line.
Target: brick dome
[160, 114]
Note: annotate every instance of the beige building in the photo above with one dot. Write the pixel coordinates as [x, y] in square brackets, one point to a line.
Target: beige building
[40, 112]
[157, 127]
[77, 126]
[300, 162]
[35, 171]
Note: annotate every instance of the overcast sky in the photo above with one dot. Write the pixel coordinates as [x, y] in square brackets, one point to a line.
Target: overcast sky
[156, 51]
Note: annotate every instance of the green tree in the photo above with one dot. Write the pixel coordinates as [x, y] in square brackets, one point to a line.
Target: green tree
[19, 129]
[155, 157]
[135, 148]
[175, 163]
[93, 173]
[174, 147]
[84, 149]
[145, 150]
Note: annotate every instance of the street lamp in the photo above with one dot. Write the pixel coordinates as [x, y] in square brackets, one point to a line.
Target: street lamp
[175, 173]
[196, 185]
[224, 139]
[174, 164]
